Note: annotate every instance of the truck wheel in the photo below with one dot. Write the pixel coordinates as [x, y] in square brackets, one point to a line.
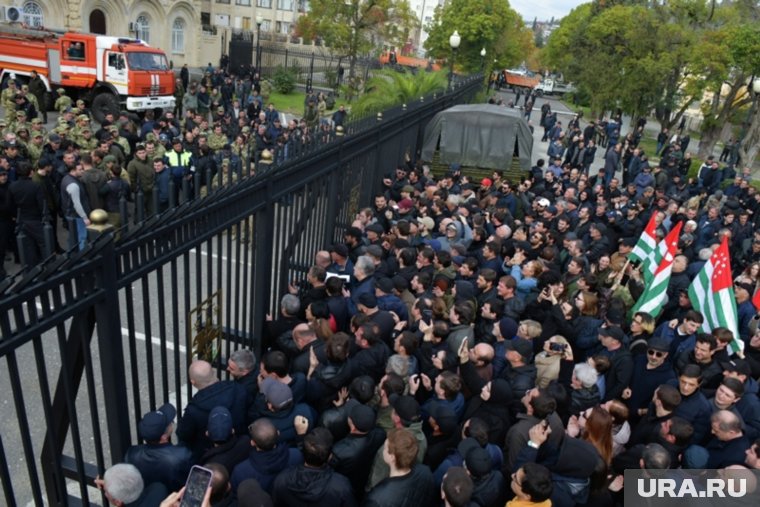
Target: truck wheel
[103, 104]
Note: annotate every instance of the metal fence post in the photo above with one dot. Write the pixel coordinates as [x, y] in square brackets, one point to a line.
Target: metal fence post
[108, 325]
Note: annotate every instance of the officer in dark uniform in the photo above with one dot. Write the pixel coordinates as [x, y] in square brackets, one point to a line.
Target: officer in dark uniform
[28, 199]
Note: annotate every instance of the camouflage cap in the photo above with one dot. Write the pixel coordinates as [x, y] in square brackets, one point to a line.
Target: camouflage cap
[83, 117]
[80, 101]
[25, 87]
[75, 111]
[150, 136]
[62, 121]
[109, 158]
[20, 113]
[36, 121]
[61, 130]
[85, 129]
[3, 123]
[113, 128]
[220, 110]
[20, 128]
[61, 90]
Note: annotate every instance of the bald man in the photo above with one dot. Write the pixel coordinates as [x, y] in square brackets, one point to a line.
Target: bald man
[481, 356]
[729, 444]
[212, 392]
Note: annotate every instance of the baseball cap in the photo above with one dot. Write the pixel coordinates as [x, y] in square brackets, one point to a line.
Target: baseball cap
[543, 202]
[153, 424]
[478, 462]
[219, 424]
[385, 284]
[405, 204]
[487, 182]
[406, 407]
[375, 227]
[521, 346]
[367, 299]
[428, 222]
[740, 366]
[363, 417]
[612, 332]
[276, 393]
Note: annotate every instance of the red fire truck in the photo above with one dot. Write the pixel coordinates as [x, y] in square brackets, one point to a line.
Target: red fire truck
[108, 73]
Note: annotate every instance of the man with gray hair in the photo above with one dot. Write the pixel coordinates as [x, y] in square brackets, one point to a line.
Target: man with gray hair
[364, 274]
[123, 485]
[242, 368]
[290, 307]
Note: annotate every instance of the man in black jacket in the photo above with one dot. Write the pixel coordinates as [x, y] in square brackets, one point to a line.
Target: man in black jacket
[158, 460]
[353, 455]
[314, 483]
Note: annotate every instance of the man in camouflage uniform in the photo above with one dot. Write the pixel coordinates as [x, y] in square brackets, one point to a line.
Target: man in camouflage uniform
[120, 140]
[82, 121]
[19, 123]
[217, 140]
[62, 102]
[38, 126]
[35, 147]
[159, 150]
[7, 99]
[85, 140]
[179, 94]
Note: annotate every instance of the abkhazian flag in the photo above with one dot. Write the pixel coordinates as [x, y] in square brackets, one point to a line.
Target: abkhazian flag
[651, 300]
[712, 293]
[646, 243]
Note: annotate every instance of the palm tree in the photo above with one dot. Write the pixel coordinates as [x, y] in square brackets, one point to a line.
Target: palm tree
[389, 88]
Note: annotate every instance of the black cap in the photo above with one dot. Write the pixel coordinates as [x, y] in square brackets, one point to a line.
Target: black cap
[444, 417]
[368, 299]
[521, 346]
[612, 332]
[740, 366]
[477, 461]
[406, 407]
[659, 343]
[375, 227]
[384, 284]
[363, 417]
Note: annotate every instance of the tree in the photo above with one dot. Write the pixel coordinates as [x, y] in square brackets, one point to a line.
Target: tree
[389, 88]
[481, 23]
[357, 27]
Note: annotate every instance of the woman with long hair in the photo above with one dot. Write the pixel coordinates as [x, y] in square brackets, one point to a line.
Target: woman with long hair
[320, 320]
[595, 426]
[642, 327]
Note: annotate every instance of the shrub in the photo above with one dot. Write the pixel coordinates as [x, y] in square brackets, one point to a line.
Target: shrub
[284, 80]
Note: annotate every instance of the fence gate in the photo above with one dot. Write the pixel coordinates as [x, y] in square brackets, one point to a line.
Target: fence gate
[241, 49]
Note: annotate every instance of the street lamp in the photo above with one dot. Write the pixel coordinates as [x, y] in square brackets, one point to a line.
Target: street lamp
[482, 58]
[259, 20]
[454, 41]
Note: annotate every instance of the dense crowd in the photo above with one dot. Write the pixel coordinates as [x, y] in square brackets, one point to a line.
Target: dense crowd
[472, 343]
[222, 129]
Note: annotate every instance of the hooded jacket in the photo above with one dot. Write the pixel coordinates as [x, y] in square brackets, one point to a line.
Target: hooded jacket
[264, 466]
[312, 487]
[191, 429]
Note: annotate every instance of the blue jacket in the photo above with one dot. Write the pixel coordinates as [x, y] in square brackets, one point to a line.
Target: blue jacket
[191, 428]
[265, 465]
[164, 463]
[645, 382]
[695, 409]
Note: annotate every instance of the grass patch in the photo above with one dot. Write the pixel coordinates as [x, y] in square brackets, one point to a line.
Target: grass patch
[291, 103]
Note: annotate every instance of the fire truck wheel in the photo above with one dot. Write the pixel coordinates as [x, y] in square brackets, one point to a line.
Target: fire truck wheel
[103, 104]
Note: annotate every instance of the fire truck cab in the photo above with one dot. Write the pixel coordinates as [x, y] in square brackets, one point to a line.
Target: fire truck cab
[109, 73]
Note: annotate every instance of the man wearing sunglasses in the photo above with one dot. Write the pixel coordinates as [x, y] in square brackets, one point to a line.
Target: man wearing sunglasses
[650, 370]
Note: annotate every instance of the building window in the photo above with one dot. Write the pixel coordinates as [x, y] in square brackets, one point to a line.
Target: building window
[178, 36]
[283, 27]
[222, 1]
[142, 28]
[266, 26]
[266, 4]
[285, 5]
[32, 14]
[243, 2]
[246, 23]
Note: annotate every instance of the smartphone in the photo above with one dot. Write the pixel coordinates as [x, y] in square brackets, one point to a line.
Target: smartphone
[557, 347]
[427, 316]
[198, 481]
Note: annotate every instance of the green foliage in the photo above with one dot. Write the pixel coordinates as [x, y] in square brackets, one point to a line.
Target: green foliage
[359, 26]
[389, 88]
[489, 24]
[284, 80]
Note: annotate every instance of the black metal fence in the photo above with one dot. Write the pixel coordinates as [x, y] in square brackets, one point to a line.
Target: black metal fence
[93, 339]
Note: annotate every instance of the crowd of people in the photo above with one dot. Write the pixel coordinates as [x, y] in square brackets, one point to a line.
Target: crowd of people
[470, 342]
[220, 131]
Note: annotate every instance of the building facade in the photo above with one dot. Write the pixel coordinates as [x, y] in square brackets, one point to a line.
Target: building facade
[424, 9]
[189, 31]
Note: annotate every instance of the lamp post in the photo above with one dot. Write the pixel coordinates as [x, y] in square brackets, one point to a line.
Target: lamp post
[454, 41]
[482, 58]
[259, 20]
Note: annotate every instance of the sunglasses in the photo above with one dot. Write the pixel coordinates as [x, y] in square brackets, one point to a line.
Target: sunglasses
[655, 353]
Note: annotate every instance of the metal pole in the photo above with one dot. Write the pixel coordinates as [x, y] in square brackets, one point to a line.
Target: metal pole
[258, 55]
